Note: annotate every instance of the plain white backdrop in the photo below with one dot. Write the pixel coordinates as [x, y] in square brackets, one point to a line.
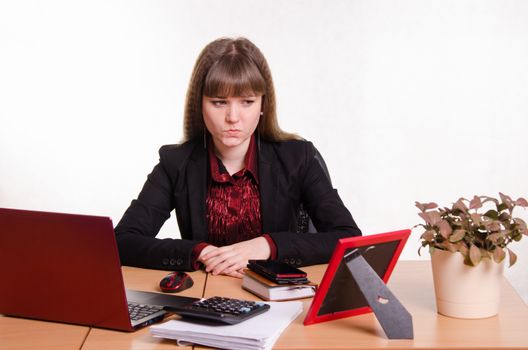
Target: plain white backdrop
[406, 100]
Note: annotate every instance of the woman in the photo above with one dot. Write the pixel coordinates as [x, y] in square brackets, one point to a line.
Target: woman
[236, 182]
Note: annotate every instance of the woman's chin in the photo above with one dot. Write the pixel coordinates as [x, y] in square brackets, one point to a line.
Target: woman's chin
[231, 142]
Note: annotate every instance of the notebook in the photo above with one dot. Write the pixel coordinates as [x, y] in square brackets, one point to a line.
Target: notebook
[269, 290]
[66, 268]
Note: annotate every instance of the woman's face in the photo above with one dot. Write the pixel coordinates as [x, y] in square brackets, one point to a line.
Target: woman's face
[231, 120]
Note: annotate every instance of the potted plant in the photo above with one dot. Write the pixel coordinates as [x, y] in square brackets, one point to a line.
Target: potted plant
[468, 243]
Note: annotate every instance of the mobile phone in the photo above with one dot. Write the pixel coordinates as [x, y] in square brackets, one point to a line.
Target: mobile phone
[277, 271]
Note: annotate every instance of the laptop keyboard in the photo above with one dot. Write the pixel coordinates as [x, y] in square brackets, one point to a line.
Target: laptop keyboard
[139, 311]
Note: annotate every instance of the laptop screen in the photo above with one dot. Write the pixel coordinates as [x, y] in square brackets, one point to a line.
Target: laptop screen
[61, 267]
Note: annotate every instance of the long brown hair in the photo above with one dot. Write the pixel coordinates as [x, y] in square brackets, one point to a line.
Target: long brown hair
[232, 67]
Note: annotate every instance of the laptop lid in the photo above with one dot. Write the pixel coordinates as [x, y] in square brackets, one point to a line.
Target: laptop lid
[338, 295]
[61, 267]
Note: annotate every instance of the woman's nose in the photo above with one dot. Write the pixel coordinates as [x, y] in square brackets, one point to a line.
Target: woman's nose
[232, 114]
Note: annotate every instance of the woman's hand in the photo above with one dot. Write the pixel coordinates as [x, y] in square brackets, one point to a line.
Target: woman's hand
[231, 260]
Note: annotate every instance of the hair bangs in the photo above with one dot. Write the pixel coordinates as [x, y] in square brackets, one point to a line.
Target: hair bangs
[234, 76]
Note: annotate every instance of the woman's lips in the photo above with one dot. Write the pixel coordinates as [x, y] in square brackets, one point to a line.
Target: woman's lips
[232, 132]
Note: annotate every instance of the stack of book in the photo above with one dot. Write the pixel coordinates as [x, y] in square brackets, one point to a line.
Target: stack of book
[269, 290]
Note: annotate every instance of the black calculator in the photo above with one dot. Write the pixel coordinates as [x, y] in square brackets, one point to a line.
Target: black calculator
[220, 309]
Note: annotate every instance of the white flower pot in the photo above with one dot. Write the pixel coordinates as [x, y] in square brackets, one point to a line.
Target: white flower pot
[464, 291]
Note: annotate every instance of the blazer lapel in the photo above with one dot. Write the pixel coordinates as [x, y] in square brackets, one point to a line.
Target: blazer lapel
[197, 181]
[268, 180]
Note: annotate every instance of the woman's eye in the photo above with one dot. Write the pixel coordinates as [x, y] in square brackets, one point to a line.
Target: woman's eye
[248, 102]
[218, 103]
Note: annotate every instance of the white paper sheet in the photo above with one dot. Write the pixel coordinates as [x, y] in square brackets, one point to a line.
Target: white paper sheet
[259, 332]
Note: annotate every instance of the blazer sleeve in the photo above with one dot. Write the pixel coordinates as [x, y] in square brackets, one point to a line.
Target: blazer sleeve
[136, 231]
[329, 215]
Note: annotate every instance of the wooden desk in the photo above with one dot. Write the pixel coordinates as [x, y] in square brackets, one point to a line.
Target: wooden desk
[412, 283]
[18, 333]
[23, 334]
[145, 280]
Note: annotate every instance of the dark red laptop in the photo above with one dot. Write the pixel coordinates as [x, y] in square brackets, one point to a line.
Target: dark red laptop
[66, 268]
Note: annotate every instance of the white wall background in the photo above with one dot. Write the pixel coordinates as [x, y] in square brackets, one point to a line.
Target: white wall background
[407, 100]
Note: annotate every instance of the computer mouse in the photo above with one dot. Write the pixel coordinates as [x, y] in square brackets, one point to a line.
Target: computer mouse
[176, 282]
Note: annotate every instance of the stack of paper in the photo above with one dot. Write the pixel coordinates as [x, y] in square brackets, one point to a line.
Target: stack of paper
[259, 332]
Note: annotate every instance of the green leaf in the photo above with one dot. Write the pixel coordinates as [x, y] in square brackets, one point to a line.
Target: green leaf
[492, 214]
[474, 255]
[506, 200]
[457, 236]
[502, 206]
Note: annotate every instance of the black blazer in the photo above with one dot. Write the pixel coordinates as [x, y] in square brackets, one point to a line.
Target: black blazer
[290, 173]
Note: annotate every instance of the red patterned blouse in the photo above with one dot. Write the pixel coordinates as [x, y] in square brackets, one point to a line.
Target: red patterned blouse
[233, 203]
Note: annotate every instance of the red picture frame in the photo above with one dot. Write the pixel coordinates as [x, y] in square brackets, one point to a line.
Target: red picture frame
[338, 295]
